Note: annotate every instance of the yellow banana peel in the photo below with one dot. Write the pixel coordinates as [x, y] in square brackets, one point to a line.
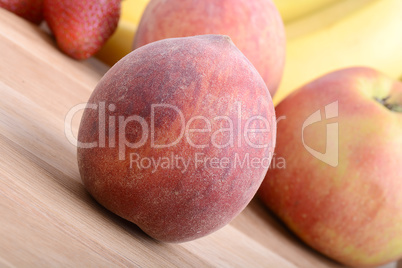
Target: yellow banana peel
[132, 10]
[323, 18]
[295, 9]
[370, 36]
[120, 43]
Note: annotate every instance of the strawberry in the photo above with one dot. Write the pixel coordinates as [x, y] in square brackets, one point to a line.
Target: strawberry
[81, 27]
[28, 9]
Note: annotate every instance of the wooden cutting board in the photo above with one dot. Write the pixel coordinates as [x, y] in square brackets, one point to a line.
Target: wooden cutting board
[49, 220]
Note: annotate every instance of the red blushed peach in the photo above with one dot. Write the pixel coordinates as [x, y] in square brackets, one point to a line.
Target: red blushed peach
[178, 136]
[255, 27]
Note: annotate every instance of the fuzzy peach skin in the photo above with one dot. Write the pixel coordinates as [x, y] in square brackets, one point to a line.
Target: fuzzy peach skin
[209, 81]
[255, 27]
[351, 212]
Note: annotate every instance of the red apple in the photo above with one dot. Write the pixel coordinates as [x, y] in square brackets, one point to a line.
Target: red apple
[341, 188]
[178, 136]
[255, 27]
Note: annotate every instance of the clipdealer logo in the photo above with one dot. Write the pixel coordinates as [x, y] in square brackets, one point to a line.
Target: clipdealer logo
[331, 155]
[257, 132]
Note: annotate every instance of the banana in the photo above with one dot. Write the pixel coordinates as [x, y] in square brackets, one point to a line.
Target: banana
[323, 18]
[119, 44]
[131, 10]
[295, 9]
[121, 41]
[370, 36]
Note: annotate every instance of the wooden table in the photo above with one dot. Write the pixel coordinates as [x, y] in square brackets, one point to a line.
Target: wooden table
[47, 217]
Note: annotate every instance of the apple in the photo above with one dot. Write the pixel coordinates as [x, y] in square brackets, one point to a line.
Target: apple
[177, 136]
[255, 27]
[341, 188]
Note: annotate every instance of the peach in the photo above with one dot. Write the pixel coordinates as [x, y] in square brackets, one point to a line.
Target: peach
[255, 27]
[177, 136]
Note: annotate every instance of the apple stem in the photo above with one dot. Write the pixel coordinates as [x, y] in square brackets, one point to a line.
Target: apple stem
[395, 107]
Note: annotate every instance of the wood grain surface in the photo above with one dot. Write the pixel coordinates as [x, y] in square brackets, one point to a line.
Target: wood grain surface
[47, 217]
